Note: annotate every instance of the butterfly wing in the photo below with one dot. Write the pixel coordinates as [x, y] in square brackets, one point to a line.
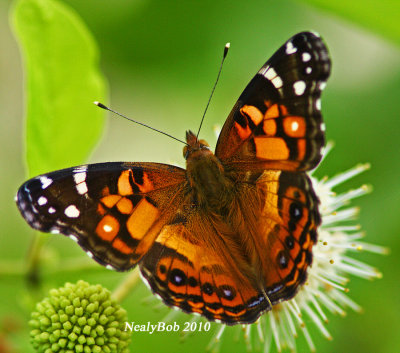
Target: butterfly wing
[277, 122]
[203, 264]
[272, 136]
[187, 272]
[287, 224]
[114, 211]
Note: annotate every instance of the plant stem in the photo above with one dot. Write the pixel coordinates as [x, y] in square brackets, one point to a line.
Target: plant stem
[33, 259]
[125, 287]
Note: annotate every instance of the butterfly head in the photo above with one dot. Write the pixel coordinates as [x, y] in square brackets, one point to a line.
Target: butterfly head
[195, 146]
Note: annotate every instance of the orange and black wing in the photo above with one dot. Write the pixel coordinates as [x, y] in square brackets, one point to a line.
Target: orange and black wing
[114, 211]
[188, 272]
[200, 264]
[287, 231]
[276, 122]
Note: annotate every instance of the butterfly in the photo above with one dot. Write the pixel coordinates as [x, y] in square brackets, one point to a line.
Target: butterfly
[230, 236]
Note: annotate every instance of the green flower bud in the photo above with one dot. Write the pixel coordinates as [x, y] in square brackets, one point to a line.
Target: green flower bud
[76, 318]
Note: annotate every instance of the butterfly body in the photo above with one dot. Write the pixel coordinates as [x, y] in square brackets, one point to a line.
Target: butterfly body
[230, 236]
[217, 194]
[209, 185]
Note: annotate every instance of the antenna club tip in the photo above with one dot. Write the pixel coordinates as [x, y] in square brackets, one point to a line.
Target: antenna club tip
[100, 105]
[226, 48]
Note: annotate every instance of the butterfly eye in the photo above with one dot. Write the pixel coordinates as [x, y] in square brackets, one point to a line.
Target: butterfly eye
[204, 144]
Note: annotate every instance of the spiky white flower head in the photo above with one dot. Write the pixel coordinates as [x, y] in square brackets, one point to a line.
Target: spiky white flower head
[326, 288]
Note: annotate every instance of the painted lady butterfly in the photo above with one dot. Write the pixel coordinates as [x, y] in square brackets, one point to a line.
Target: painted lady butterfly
[232, 234]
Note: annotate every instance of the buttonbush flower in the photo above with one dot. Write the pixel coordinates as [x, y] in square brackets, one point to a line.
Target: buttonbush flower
[79, 318]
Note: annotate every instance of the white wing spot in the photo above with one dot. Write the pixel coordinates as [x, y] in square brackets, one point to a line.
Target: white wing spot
[318, 104]
[89, 254]
[82, 188]
[299, 87]
[270, 73]
[16, 198]
[323, 127]
[51, 210]
[55, 231]
[42, 201]
[109, 267]
[308, 70]
[107, 228]
[277, 82]
[29, 216]
[322, 85]
[73, 237]
[295, 126]
[290, 48]
[45, 181]
[306, 57]
[72, 212]
[80, 177]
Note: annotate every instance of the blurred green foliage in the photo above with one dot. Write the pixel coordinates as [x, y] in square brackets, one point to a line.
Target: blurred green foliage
[161, 59]
[62, 76]
[379, 16]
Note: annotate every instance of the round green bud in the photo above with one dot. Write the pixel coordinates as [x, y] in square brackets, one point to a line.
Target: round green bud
[75, 318]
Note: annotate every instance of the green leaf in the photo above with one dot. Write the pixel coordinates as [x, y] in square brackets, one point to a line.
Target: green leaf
[379, 16]
[62, 80]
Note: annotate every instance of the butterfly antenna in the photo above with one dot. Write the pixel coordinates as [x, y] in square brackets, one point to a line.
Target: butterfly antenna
[101, 105]
[227, 46]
